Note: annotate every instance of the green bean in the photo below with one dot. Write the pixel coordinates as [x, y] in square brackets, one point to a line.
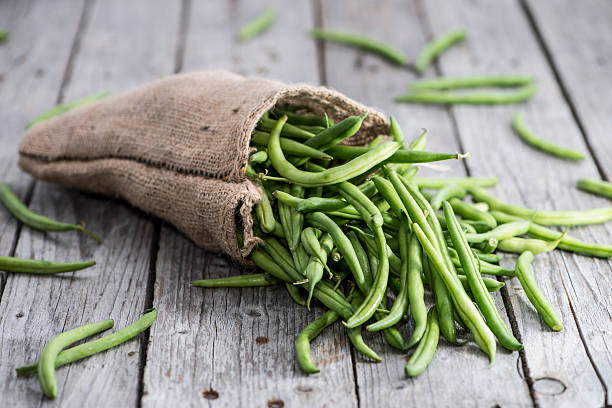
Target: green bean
[419, 142]
[354, 335]
[424, 352]
[344, 152]
[465, 182]
[395, 131]
[446, 193]
[302, 343]
[440, 83]
[491, 258]
[281, 255]
[537, 246]
[542, 217]
[485, 267]
[369, 212]
[476, 284]
[329, 176]
[504, 231]
[324, 223]
[264, 213]
[294, 293]
[359, 41]
[376, 141]
[362, 257]
[484, 207]
[290, 131]
[18, 265]
[401, 301]
[290, 146]
[470, 98]
[34, 220]
[386, 190]
[4, 36]
[520, 127]
[312, 129]
[239, 281]
[490, 245]
[65, 107]
[253, 175]
[298, 119]
[599, 187]
[311, 245]
[470, 212]
[296, 218]
[567, 243]
[314, 270]
[337, 133]
[258, 25]
[258, 157]
[322, 204]
[444, 303]
[48, 356]
[534, 294]
[90, 348]
[416, 292]
[466, 309]
[436, 47]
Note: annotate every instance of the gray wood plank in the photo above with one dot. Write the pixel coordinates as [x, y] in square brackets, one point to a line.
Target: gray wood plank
[38, 308]
[205, 345]
[31, 71]
[501, 41]
[582, 58]
[461, 372]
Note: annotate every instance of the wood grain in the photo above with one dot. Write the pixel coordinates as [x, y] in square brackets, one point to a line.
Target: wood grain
[501, 41]
[39, 308]
[461, 372]
[232, 347]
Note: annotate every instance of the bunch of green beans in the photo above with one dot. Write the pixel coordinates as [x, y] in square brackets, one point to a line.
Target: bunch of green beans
[350, 237]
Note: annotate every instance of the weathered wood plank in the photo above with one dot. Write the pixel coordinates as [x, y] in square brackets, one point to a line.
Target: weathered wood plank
[38, 308]
[582, 58]
[501, 41]
[237, 346]
[460, 374]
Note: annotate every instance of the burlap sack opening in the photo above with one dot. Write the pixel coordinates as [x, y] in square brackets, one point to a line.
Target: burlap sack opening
[177, 148]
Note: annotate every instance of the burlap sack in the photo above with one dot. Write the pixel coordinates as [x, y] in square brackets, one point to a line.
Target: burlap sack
[177, 148]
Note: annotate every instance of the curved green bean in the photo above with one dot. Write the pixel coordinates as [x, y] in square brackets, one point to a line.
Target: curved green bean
[34, 220]
[543, 217]
[302, 342]
[335, 134]
[440, 83]
[258, 25]
[354, 335]
[534, 294]
[239, 281]
[446, 193]
[48, 356]
[470, 98]
[18, 265]
[599, 187]
[424, 352]
[289, 146]
[504, 231]
[359, 41]
[436, 47]
[471, 212]
[90, 348]
[533, 140]
[537, 246]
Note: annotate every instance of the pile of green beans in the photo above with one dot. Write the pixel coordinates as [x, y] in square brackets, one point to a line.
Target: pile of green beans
[358, 233]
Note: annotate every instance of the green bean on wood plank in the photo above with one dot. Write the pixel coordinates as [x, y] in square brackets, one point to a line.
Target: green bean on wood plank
[598, 187]
[437, 46]
[470, 98]
[32, 266]
[501, 81]
[258, 25]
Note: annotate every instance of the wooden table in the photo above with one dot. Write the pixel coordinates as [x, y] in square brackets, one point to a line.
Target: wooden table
[235, 347]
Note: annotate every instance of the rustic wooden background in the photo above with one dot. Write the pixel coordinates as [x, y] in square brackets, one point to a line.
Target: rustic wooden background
[234, 347]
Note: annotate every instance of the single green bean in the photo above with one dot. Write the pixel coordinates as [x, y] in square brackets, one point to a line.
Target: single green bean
[18, 265]
[258, 25]
[337, 133]
[470, 212]
[444, 303]
[537, 246]
[90, 348]
[302, 343]
[258, 157]
[424, 352]
[440, 83]
[290, 131]
[48, 356]
[504, 231]
[465, 182]
[395, 131]
[368, 211]
[359, 41]
[296, 218]
[416, 291]
[4, 36]
[362, 257]
[354, 335]
[294, 293]
[446, 193]
[239, 281]
[329, 176]
[34, 220]
[534, 294]
[311, 245]
[476, 284]
[419, 142]
[65, 107]
[387, 191]
[299, 119]
[289, 146]
[343, 152]
[599, 187]
[567, 243]
[436, 47]
[314, 270]
[376, 141]
[533, 140]
[264, 213]
[470, 98]
[322, 204]
[542, 217]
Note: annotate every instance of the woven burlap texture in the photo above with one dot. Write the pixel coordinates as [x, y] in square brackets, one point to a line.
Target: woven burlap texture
[177, 148]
